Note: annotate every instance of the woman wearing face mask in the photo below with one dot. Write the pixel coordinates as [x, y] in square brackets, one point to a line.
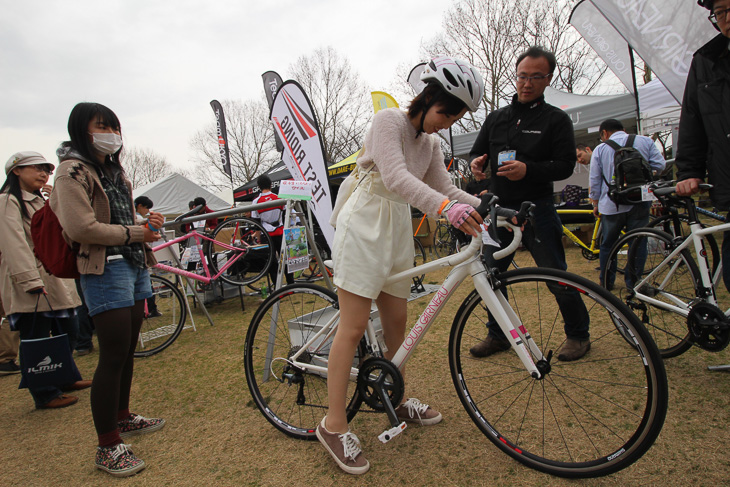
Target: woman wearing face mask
[93, 202]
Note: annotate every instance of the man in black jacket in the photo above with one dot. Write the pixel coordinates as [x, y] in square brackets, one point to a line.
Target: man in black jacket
[704, 126]
[526, 146]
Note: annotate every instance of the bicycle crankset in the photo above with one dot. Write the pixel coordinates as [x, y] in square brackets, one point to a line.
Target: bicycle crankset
[708, 327]
[378, 377]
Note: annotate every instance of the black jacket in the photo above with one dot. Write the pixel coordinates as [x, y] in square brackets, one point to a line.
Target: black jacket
[704, 126]
[543, 137]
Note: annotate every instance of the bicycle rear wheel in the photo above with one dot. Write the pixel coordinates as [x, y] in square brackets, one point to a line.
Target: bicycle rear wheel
[164, 319]
[586, 418]
[290, 398]
[674, 285]
[253, 255]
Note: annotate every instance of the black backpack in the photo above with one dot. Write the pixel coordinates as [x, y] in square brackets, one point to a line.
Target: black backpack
[630, 173]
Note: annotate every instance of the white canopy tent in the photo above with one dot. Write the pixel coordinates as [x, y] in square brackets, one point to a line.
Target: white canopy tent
[172, 193]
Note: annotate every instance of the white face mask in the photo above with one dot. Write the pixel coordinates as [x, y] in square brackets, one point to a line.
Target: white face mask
[107, 143]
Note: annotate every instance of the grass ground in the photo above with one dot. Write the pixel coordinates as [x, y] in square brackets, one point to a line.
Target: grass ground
[215, 436]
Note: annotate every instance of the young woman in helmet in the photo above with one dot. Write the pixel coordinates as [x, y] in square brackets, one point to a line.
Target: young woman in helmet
[401, 163]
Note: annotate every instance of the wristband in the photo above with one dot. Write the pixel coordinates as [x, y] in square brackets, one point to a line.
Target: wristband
[443, 205]
[149, 225]
[448, 205]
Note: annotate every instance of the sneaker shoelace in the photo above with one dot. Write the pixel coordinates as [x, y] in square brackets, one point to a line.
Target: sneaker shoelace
[135, 418]
[120, 450]
[350, 445]
[414, 406]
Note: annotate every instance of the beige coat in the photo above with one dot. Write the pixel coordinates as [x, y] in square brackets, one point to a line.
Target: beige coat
[20, 271]
[82, 207]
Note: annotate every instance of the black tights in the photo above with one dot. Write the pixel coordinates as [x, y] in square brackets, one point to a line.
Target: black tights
[117, 331]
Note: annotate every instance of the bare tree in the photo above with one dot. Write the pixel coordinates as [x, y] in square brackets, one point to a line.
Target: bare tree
[250, 141]
[491, 34]
[340, 100]
[144, 166]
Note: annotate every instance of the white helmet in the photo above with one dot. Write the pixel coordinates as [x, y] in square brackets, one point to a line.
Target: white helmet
[457, 78]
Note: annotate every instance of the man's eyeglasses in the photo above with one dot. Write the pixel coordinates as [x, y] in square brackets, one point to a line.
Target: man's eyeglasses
[524, 79]
[719, 14]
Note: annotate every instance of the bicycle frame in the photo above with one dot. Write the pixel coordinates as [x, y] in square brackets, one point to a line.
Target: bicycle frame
[207, 279]
[707, 281]
[596, 230]
[465, 263]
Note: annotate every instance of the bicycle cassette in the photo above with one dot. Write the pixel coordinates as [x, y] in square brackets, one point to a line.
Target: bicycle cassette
[377, 374]
[708, 327]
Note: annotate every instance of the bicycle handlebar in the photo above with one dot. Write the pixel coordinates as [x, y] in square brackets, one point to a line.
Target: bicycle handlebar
[192, 212]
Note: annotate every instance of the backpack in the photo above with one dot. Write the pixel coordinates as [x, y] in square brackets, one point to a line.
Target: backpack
[49, 245]
[630, 173]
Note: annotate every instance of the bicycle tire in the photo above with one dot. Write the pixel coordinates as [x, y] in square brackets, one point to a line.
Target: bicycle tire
[676, 284]
[586, 418]
[443, 241]
[253, 264]
[666, 224]
[159, 332]
[296, 404]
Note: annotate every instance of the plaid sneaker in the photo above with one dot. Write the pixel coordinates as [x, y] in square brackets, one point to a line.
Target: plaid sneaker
[135, 424]
[414, 411]
[344, 449]
[118, 460]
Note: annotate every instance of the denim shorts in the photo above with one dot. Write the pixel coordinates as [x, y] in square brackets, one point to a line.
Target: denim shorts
[121, 285]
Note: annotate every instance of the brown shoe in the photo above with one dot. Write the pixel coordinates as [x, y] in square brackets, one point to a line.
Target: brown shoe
[573, 349]
[344, 449]
[78, 385]
[414, 411]
[489, 346]
[61, 401]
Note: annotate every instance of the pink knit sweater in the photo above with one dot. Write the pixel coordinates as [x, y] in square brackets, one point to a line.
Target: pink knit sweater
[411, 167]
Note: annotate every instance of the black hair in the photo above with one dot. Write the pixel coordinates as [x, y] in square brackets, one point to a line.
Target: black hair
[434, 94]
[144, 201]
[263, 182]
[191, 204]
[199, 201]
[538, 52]
[706, 3]
[582, 147]
[12, 186]
[78, 130]
[610, 125]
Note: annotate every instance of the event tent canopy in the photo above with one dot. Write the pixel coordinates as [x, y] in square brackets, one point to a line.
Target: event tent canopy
[172, 193]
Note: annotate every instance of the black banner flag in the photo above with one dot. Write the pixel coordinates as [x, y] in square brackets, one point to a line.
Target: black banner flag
[222, 136]
[272, 82]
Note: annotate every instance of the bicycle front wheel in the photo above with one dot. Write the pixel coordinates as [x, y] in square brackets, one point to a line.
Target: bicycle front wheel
[252, 256]
[292, 399]
[585, 418]
[164, 318]
[640, 252]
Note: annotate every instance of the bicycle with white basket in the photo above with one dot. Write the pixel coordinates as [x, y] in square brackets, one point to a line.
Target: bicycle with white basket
[586, 418]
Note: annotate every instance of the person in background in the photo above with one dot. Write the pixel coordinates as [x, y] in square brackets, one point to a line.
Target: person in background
[615, 217]
[272, 221]
[528, 145]
[9, 342]
[25, 284]
[583, 153]
[142, 206]
[92, 200]
[211, 223]
[703, 149]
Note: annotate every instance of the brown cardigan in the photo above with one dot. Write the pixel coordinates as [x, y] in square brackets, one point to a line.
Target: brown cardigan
[82, 207]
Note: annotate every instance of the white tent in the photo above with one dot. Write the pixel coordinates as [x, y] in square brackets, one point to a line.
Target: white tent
[171, 194]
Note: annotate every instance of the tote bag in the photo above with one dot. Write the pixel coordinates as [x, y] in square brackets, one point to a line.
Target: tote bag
[47, 361]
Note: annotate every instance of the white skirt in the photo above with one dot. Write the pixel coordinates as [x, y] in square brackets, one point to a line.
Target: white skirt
[373, 240]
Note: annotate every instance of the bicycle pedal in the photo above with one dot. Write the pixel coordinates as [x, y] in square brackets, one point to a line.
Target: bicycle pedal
[388, 435]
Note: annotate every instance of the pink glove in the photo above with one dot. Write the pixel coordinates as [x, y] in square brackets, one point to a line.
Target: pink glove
[458, 213]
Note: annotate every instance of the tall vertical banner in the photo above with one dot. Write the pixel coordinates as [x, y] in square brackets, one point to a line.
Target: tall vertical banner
[665, 33]
[294, 122]
[222, 134]
[272, 82]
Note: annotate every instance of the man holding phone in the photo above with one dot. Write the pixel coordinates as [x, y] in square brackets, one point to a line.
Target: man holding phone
[526, 146]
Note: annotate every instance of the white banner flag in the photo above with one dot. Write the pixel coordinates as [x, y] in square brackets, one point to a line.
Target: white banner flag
[665, 33]
[303, 154]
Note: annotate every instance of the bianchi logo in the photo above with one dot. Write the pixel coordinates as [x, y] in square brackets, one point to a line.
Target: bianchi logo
[45, 365]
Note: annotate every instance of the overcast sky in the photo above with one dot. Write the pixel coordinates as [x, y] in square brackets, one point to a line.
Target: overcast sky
[159, 63]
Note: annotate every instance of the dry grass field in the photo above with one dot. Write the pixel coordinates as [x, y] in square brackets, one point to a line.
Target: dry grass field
[214, 435]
